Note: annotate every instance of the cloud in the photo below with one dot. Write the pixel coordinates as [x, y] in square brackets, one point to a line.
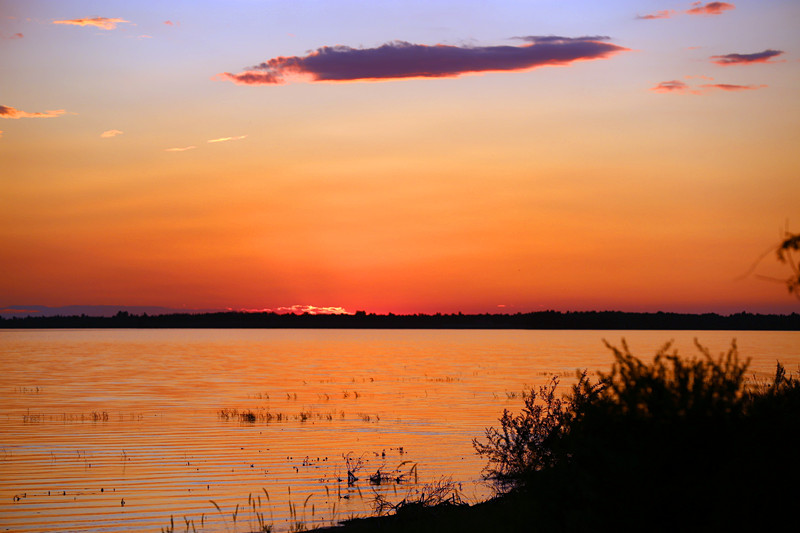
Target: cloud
[746, 59]
[171, 23]
[665, 14]
[179, 149]
[402, 60]
[711, 8]
[110, 133]
[14, 36]
[225, 139]
[677, 86]
[673, 86]
[299, 309]
[104, 23]
[10, 112]
[1, 134]
[731, 87]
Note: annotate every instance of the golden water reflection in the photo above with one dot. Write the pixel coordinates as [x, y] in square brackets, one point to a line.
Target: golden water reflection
[119, 430]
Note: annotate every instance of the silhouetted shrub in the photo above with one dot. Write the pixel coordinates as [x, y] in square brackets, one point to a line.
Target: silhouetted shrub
[673, 444]
[526, 442]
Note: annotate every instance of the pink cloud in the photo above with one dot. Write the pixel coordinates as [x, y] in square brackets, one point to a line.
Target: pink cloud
[104, 23]
[672, 86]
[14, 36]
[679, 87]
[746, 59]
[664, 14]
[731, 87]
[10, 112]
[402, 60]
[711, 8]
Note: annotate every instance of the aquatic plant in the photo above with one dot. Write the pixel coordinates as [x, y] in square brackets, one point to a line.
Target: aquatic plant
[442, 492]
[402, 473]
[264, 415]
[353, 465]
[255, 510]
[297, 524]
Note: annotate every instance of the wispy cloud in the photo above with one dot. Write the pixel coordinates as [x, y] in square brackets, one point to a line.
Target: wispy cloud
[403, 60]
[711, 8]
[13, 36]
[746, 59]
[185, 148]
[672, 86]
[299, 309]
[170, 23]
[732, 87]
[679, 87]
[10, 112]
[226, 139]
[104, 23]
[110, 133]
[664, 14]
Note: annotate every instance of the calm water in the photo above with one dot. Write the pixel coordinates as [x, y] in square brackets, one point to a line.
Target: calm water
[89, 418]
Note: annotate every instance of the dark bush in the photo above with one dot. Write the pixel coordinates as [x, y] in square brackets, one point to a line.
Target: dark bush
[676, 444]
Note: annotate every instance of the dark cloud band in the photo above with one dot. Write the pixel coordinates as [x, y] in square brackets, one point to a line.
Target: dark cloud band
[745, 59]
[732, 87]
[401, 60]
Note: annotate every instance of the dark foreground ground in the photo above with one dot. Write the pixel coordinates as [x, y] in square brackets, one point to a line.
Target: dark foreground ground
[518, 513]
[499, 514]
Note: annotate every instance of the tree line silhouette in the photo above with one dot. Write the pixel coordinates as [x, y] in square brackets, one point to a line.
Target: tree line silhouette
[363, 320]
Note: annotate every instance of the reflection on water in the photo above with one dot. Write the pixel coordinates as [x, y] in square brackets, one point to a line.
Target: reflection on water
[111, 430]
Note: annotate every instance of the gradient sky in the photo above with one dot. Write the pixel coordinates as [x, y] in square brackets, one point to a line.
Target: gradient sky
[399, 156]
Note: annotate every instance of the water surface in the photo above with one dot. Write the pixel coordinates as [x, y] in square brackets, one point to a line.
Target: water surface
[92, 419]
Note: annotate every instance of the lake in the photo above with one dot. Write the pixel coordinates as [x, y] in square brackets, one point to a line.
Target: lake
[120, 430]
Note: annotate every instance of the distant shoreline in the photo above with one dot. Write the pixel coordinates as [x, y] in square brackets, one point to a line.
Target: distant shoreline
[544, 320]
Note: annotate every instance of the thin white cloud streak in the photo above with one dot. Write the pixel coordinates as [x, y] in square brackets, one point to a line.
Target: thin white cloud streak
[226, 139]
[180, 149]
[110, 133]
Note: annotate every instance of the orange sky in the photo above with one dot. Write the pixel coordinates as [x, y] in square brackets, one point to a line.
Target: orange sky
[647, 171]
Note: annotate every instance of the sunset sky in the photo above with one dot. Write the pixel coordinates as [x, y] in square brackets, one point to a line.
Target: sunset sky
[399, 156]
